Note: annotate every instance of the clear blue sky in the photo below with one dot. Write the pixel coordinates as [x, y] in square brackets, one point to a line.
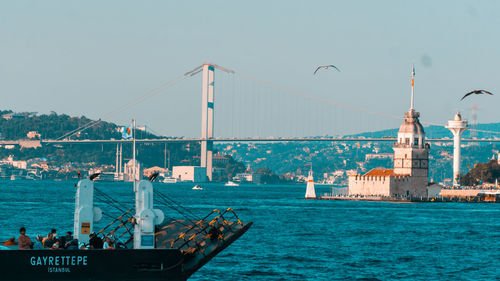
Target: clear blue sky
[90, 57]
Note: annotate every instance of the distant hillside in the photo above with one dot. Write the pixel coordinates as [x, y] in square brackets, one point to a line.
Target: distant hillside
[438, 132]
[15, 126]
[70, 158]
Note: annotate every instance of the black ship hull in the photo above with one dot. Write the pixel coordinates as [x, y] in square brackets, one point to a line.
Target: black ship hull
[98, 265]
[109, 265]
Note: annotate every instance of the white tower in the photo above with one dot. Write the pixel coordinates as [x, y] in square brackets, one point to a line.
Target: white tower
[457, 127]
[207, 118]
[310, 192]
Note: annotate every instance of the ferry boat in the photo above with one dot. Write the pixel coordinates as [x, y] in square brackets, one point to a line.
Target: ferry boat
[489, 196]
[154, 248]
[231, 183]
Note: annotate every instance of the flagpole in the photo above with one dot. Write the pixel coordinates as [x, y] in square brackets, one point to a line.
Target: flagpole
[133, 153]
[412, 82]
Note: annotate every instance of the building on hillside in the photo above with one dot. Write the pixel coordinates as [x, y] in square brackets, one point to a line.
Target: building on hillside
[190, 173]
[409, 178]
[33, 135]
[220, 161]
[370, 156]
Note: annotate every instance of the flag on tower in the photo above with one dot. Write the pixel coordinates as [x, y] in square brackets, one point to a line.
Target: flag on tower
[126, 133]
[413, 76]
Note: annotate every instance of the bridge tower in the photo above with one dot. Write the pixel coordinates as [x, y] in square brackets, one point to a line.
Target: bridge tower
[207, 118]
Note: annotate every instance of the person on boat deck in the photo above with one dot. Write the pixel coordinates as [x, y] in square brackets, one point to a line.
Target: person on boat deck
[10, 242]
[62, 242]
[82, 246]
[56, 245]
[49, 241]
[72, 245]
[108, 244]
[23, 240]
[95, 242]
[38, 243]
[69, 236]
[54, 232]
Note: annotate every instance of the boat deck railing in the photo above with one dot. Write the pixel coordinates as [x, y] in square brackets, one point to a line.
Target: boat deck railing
[120, 227]
[216, 226]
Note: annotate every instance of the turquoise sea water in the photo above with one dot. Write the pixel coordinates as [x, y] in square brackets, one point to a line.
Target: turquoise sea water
[297, 239]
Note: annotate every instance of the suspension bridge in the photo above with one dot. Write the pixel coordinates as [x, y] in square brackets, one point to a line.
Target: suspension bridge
[253, 110]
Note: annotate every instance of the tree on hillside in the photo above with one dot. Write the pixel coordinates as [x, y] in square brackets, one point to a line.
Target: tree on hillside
[233, 167]
[482, 173]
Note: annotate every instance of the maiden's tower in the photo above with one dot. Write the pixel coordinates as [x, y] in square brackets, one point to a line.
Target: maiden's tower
[409, 177]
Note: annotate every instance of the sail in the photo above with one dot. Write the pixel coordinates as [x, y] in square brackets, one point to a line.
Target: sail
[310, 192]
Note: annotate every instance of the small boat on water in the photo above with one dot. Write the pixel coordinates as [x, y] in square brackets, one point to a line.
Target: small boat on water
[231, 183]
[197, 187]
[170, 180]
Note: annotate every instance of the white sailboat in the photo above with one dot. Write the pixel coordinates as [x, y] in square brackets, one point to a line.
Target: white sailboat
[310, 192]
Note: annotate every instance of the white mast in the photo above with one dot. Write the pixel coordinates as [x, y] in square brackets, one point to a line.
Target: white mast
[133, 153]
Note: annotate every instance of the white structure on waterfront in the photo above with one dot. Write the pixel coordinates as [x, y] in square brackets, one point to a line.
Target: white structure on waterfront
[189, 173]
[457, 127]
[310, 192]
[128, 171]
[409, 178]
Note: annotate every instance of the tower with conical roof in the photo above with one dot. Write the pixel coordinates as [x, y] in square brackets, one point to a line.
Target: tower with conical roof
[410, 175]
[411, 152]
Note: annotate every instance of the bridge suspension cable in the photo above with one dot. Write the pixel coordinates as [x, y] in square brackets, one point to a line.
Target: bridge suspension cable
[319, 99]
[129, 104]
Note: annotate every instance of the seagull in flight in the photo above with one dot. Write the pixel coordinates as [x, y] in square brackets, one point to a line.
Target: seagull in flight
[326, 67]
[476, 92]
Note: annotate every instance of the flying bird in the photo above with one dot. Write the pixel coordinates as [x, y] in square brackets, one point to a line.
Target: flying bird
[476, 92]
[326, 67]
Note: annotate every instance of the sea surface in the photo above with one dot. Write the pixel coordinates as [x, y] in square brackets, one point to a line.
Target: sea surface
[297, 239]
